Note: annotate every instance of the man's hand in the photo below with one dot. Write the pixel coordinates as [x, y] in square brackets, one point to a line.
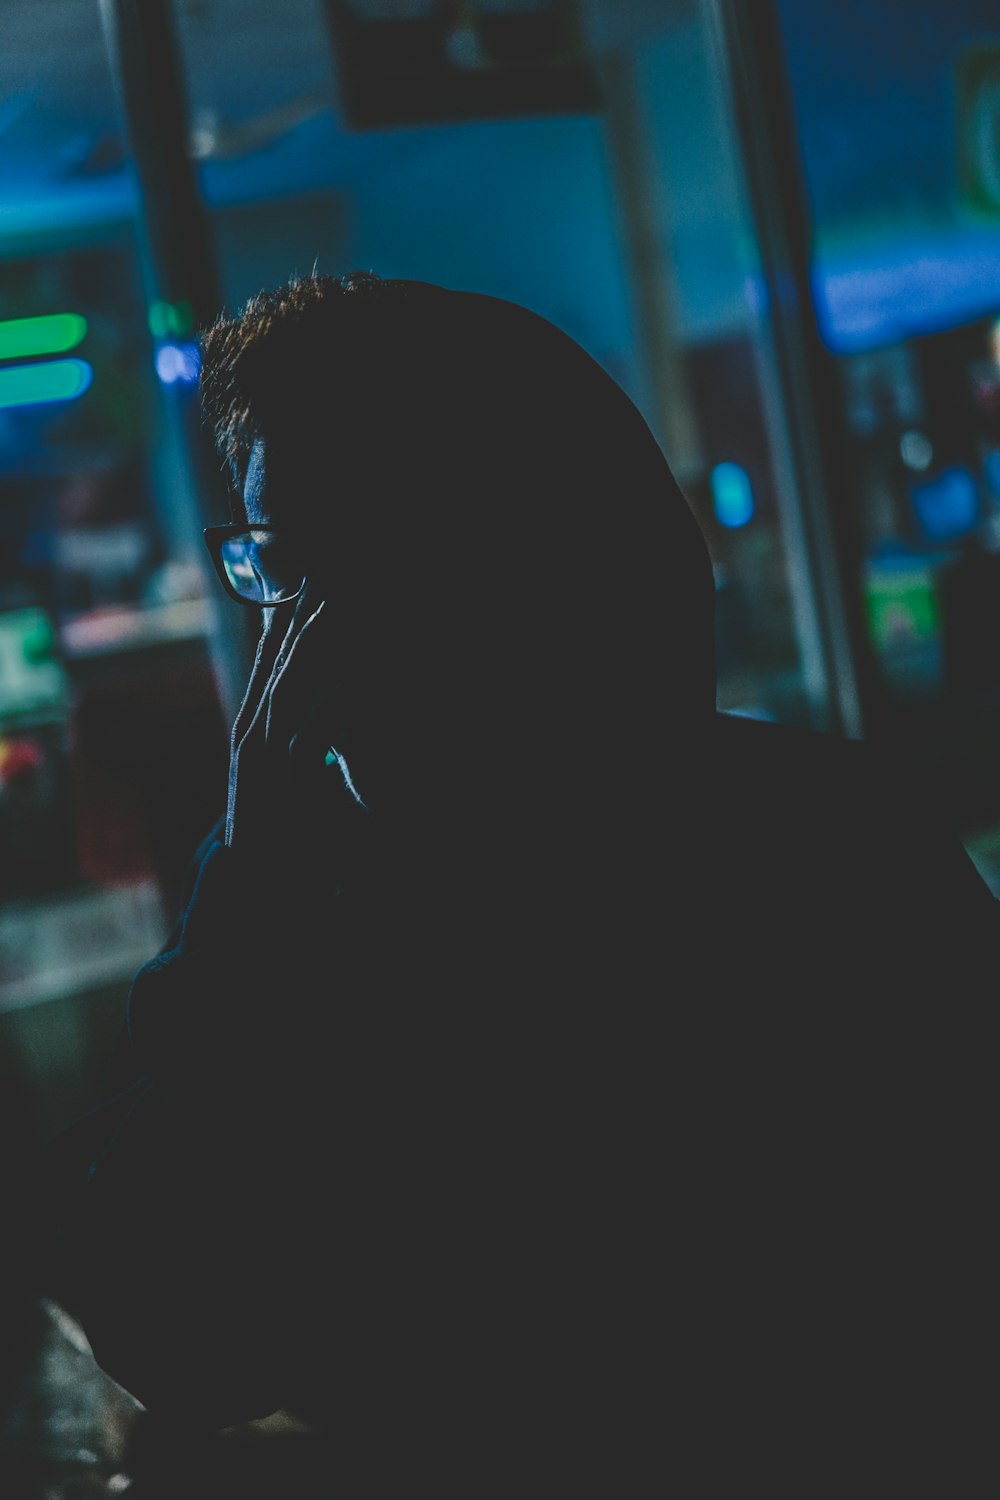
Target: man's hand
[282, 731]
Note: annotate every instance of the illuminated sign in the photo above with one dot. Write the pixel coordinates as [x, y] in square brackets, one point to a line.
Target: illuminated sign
[53, 333]
[902, 604]
[32, 678]
[49, 380]
[44, 379]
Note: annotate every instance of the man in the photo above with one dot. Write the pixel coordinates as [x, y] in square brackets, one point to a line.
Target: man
[547, 1074]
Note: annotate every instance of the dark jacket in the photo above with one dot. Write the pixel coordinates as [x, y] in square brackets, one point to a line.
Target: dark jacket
[437, 1179]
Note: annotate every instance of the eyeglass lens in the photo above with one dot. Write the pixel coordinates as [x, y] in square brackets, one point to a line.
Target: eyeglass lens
[262, 567]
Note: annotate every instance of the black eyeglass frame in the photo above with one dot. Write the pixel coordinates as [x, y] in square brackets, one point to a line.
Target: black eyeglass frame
[215, 536]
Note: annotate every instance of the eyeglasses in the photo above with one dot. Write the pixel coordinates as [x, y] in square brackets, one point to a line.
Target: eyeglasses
[257, 564]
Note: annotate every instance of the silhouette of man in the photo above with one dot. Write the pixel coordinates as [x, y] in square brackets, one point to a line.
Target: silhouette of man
[550, 1081]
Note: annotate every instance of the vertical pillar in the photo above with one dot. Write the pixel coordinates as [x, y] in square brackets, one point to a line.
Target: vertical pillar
[181, 287]
[822, 530]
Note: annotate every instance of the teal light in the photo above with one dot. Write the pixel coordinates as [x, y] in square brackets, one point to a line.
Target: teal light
[171, 320]
[52, 380]
[54, 333]
[732, 496]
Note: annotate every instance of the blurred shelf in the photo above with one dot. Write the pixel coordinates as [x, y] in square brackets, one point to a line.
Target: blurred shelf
[105, 632]
[61, 945]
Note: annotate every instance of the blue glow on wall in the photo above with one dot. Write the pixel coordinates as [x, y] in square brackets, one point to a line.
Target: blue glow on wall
[732, 495]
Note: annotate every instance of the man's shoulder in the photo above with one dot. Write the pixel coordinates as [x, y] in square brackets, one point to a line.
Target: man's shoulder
[859, 813]
[784, 743]
[775, 768]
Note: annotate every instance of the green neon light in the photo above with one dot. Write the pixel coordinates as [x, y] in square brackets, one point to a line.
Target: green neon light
[171, 320]
[52, 380]
[52, 334]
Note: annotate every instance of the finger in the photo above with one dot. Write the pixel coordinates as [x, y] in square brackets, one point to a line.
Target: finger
[303, 608]
[259, 755]
[268, 646]
[303, 673]
[281, 627]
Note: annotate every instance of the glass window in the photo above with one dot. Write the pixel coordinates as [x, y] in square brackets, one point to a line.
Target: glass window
[897, 108]
[607, 198]
[714, 396]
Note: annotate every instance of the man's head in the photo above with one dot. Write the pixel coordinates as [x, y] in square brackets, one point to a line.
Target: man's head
[293, 356]
[477, 492]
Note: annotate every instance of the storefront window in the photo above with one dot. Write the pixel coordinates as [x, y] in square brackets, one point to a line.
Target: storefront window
[604, 195]
[720, 413]
[897, 110]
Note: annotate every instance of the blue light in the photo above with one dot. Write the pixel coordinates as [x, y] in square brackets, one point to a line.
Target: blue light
[907, 285]
[732, 496]
[178, 362]
[946, 506]
[44, 380]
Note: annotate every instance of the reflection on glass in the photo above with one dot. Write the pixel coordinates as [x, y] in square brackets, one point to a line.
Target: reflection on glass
[263, 567]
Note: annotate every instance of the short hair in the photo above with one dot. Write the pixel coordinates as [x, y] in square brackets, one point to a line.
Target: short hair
[275, 359]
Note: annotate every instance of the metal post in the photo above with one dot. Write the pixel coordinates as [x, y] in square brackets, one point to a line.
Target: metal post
[821, 522]
[179, 275]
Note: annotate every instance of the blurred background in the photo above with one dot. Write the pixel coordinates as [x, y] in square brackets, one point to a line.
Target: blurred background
[776, 225]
